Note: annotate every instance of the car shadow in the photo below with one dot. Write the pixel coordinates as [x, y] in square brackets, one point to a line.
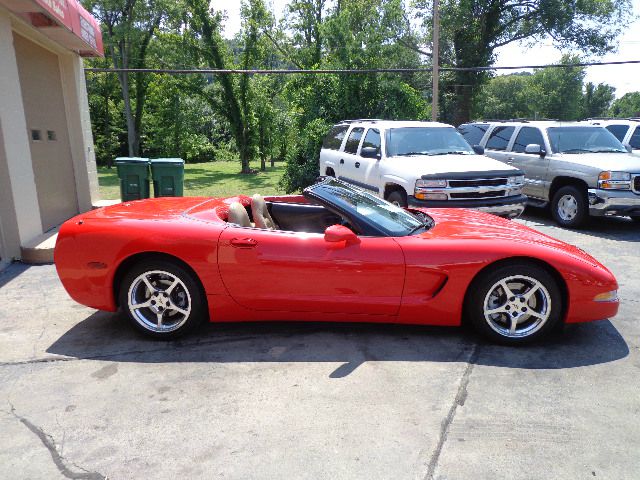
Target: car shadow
[615, 228]
[105, 336]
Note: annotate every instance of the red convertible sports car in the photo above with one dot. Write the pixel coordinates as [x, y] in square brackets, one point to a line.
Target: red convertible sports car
[336, 253]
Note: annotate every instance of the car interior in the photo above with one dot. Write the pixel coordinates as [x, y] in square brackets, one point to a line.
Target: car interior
[293, 217]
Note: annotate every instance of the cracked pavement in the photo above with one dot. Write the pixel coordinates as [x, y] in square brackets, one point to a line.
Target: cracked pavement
[83, 396]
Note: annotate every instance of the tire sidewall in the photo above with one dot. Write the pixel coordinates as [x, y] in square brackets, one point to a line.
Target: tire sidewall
[198, 303]
[398, 196]
[581, 201]
[479, 288]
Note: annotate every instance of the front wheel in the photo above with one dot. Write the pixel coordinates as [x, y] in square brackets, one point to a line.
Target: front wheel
[162, 299]
[398, 198]
[515, 303]
[569, 207]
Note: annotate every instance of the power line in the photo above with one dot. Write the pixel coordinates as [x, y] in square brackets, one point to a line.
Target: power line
[204, 71]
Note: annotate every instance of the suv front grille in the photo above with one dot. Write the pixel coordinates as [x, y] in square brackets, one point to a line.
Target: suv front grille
[483, 182]
[636, 184]
[476, 195]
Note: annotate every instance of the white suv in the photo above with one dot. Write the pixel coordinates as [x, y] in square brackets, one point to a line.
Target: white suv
[423, 164]
[627, 130]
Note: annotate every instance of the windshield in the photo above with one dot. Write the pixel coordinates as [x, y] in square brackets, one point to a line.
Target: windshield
[583, 140]
[392, 220]
[426, 141]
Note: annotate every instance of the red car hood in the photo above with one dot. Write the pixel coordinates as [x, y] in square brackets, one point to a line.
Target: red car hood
[463, 224]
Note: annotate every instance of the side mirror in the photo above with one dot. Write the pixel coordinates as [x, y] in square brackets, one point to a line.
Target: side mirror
[628, 147]
[535, 149]
[340, 233]
[479, 149]
[370, 152]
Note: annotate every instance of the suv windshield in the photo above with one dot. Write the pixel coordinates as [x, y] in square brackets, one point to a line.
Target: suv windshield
[426, 141]
[583, 140]
[392, 220]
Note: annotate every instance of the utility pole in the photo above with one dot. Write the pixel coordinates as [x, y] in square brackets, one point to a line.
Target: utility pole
[435, 53]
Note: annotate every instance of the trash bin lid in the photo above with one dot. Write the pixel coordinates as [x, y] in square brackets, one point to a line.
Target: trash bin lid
[134, 160]
[167, 160]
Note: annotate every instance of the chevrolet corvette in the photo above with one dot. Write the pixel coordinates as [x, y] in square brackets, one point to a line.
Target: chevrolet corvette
[335, 253]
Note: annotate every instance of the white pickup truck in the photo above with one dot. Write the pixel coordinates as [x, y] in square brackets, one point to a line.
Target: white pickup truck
[424, 164]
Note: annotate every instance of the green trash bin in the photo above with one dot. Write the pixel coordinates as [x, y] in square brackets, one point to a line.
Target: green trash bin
[134, 177]
[168, 177]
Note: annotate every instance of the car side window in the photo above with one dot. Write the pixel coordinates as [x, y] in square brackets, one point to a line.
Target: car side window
[372, 139]
[527, 136]
[473, 132]
[499, 138]
[619, 131]
[634, 141]
[354, 140]
[334, 138]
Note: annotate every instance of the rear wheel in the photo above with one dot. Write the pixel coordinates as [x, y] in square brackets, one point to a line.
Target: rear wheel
[514, 303]
[398, 197]
[569, 207]
[162, 299]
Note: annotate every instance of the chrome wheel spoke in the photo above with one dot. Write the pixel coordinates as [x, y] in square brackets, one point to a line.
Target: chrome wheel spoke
[175, 283]
[146, 304]
[496, 310]
[159, 318]
[148, 284]
[175, 308]
[533, 313]
[514, 325]
[506, 289]
[532, 290]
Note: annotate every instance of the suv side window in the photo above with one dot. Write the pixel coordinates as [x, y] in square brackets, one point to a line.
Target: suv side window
[619, 131]
[354, 140]
[499, 138]
[333, 140]
[526, 136]
[634, 141]
[473, 132]
[372, 139]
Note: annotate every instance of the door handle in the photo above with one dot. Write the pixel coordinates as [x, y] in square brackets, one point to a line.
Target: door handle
[510, 160]
[357, 164]
[341, 161]
[243, 242]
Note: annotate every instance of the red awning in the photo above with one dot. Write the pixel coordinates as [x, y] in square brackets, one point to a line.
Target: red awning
[64, 21]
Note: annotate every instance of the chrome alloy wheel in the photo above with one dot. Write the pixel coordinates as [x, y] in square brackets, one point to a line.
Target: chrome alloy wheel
[567, 207]
[517, 306]
[159, 301]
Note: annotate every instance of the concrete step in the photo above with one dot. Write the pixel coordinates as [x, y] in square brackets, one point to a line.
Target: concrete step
[40, 249]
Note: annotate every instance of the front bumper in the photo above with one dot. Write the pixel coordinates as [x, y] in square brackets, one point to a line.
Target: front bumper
[508, 207]
[613, 202]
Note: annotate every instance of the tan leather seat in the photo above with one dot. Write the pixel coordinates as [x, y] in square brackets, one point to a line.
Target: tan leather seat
[260, 212]
[238, 215]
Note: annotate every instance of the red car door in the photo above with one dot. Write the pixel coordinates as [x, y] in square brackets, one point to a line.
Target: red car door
[293, 271]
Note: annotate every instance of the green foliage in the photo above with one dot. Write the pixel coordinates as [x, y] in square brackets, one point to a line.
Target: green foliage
[597, 99]
[302, 165]
[626, 106]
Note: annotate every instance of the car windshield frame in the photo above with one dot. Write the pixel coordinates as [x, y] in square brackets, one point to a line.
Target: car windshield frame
[406, 141]
[609, 143]
[370, 215]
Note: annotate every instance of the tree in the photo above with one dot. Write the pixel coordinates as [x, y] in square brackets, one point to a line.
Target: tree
[234, 96]
[472, 30]
[597, 99]
[626, 106]
[128, 28]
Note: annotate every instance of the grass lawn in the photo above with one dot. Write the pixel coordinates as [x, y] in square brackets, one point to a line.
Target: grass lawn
[210, 179]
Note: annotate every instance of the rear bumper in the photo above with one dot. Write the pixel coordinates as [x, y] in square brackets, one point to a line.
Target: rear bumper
[508, 207]
[612, 202]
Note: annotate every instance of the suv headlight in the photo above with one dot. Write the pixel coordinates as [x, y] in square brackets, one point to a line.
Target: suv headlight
[614, 180]
[430, 189]
[515, 180]
[431, 183]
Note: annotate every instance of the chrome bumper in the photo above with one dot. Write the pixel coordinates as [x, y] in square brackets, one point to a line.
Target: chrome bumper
[613, 202]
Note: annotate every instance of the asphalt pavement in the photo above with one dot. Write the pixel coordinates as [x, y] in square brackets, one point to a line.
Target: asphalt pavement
[83, 396]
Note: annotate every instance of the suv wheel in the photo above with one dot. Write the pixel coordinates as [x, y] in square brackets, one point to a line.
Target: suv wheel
[398, 197]
[569, 207]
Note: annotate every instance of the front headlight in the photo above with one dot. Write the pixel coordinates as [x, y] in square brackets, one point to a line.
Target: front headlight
[611, 296]
[431, 183]
[614, 180]
[518, 179]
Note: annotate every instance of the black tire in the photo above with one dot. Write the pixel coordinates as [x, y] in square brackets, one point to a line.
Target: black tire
[331, 173]
[186, 296]
[485, 292]
[564, 200]
[398, 197]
